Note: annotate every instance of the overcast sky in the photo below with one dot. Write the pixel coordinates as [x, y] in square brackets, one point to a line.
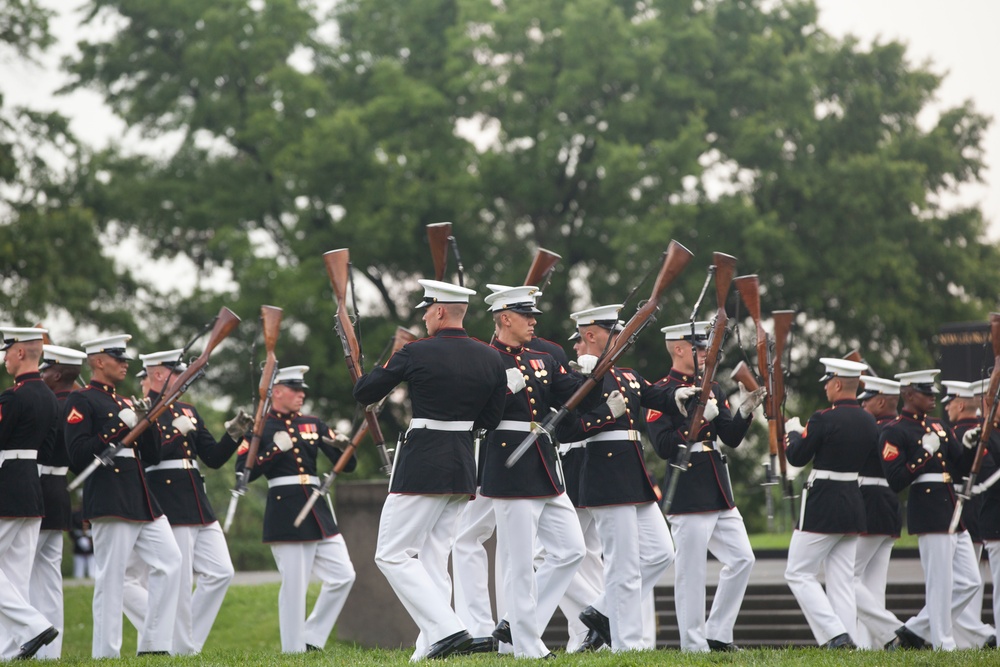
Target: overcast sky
[959, 37]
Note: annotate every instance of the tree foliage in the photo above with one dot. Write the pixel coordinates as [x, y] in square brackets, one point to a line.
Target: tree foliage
[602, 129]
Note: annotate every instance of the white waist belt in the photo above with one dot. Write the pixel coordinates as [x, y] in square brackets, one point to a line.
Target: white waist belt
[930, 478]
[52, 470]
[440, 425]
[125, 453]
[706, 446]
[872, 481]
[18, 454]
[986, 483]
[293, 480]
[513, 425]
[565, 447]
[614, 435]
[833, 476]
[175, 464]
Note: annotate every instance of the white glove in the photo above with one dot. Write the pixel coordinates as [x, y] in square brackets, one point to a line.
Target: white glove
[681, 397]
[127, 415]
[238, 426]
[971, 438]
[141, 406]
[793, 425]
[586, 363]
[282, 441]
[337, 440]
[931, 443]
[751, 401]
[183, 424]
[616, 403]
[515, 381]
[711, 410]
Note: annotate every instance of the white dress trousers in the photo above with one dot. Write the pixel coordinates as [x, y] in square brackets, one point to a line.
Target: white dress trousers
[833, 612]
[725, 536]
[588, 582]
[993, 549]
[415, 536]
[297, 561]
[471, 570]
[534, 594]
[205, 564]
[19, 621]
[637, 551]
[45, 589]
[876, 625]
[153, 542]
[969, 629]
[951, 577]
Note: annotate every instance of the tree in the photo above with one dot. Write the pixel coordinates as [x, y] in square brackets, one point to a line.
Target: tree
[738, 127]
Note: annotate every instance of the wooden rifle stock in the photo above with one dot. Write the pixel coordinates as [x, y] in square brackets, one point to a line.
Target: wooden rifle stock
[782, 326]
[338, 269]
[225, 322]
[541, 267]
[675, 259]
[438, 234]
[725, 267]
[744, 376]
[989, 424]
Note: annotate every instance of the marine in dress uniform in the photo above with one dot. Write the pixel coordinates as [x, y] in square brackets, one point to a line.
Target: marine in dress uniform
[988, 487]
[178, 485]
[703, 517]
[59, 370]
[529, 498]
[456, 384]
[28, 422]
[117, 501]
[616, 488]
[832, 514]
[883, 523]
[962, 401]
[289, 448]
[920, 452]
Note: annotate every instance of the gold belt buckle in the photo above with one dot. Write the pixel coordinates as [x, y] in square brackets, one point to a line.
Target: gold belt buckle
[947, 477]
[304, 480]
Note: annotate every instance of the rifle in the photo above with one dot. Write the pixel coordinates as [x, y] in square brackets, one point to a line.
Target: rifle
[782, 325]
[725, 267]
[439, 236]
[270, 317]
[541, 269]
[989, 423]
[399, 339]
[338, 268]
[222, 326]
[745, 376]
[674, 260]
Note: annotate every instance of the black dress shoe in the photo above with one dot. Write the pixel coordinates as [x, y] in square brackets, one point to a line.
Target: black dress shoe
[152, 653]
[502, 632]
[313, 649]
[841, 641]
[714, 645]
[548, 656]
[592, 642]
[598, 622]
[906, 638]
[31, 647]
[455, 643]
[481, 645]
[991, 642]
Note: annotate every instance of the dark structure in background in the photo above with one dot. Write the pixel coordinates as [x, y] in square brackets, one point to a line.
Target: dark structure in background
[965, 352]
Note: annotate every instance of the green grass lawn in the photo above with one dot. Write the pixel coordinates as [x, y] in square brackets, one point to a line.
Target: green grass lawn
[246, 633]
[780, 541]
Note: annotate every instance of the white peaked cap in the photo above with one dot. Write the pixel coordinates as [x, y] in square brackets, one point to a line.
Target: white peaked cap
[171, 358]
[110, 345]
[922, 381]
[979, 387]
[603, 316]
[843, 368]
[56, 354]
[877, 385]
[13, 335]
[293, 376]
[436, 291]
[958, 389]
[518, 299]
[683, 331]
